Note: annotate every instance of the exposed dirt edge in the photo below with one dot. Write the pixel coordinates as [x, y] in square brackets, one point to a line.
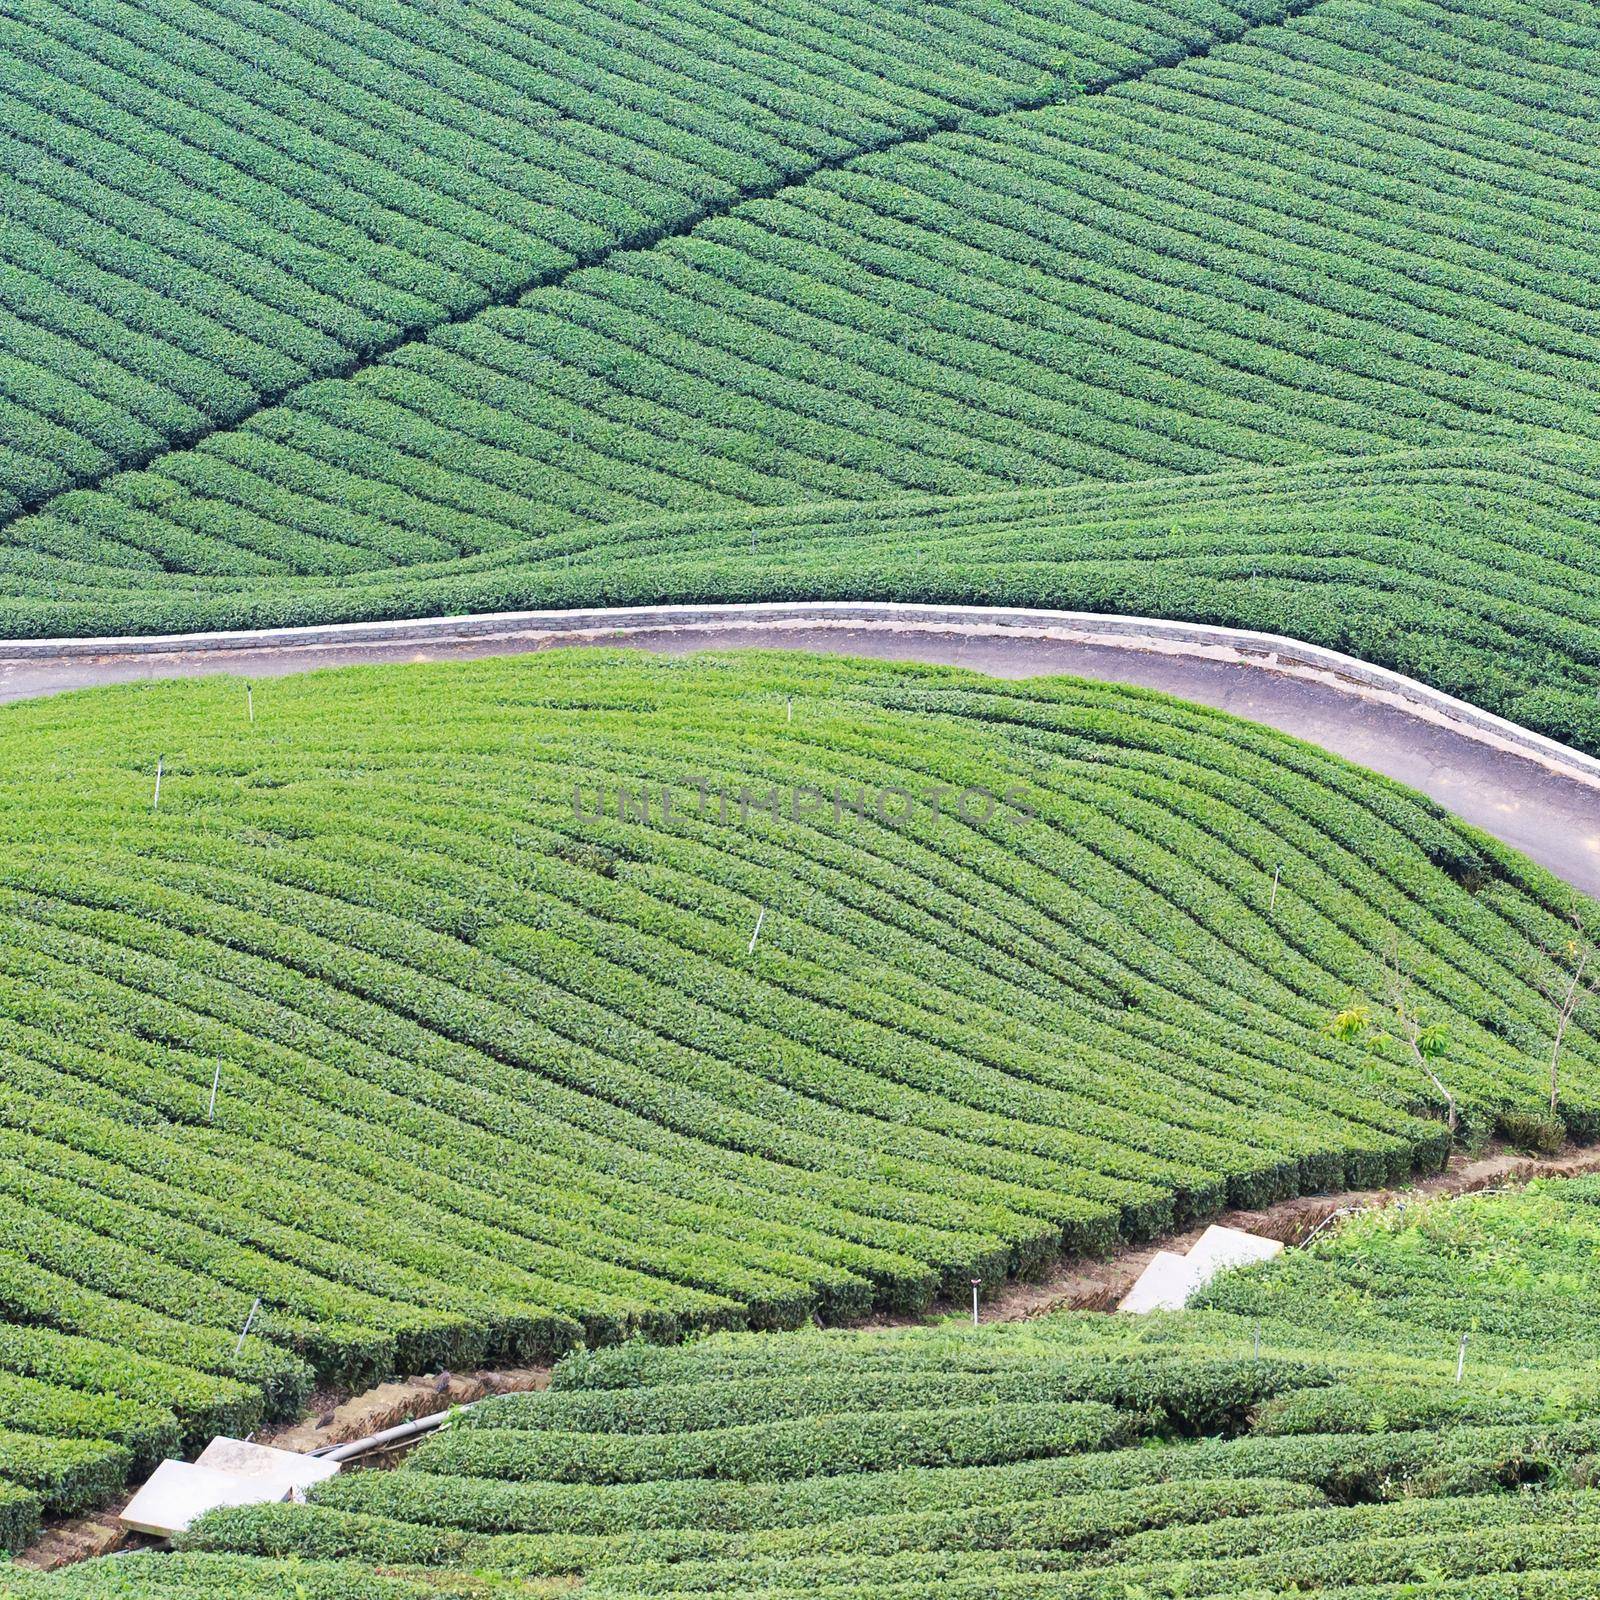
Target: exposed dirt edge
[1079, 1285]
[330, 1420]
[1072, 1285]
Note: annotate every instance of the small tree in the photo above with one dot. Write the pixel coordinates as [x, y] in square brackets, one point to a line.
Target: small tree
[1569, 981]
[1424, 1041]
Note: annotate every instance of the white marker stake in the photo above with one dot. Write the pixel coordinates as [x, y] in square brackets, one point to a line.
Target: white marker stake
[975, 1284]
[155, 805]
[791, 708]
[246, 1328]
[1461, 1358]
[211, 1110]
[750, 950]
[250, 701]
[1277, 872]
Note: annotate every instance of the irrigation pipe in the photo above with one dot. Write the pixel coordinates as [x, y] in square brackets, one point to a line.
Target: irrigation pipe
[398, 1434]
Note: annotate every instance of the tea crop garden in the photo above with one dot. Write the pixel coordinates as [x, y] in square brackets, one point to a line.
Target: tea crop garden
[619, 278]
[467, 1015]
[189, 237]
[1257, 1447]
[1472, 568]
[699, 1030]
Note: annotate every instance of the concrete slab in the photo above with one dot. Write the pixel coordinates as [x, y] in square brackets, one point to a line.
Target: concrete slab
[1220, 1248]
[260, 1463]
[180, 1492]
[1165, 1285]
[229, 1472]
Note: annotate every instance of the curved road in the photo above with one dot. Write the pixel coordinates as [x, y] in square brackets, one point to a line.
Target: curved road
[1526, 790]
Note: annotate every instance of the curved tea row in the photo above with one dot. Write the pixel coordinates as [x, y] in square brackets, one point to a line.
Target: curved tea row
[415, 1012]
[1303, 1433]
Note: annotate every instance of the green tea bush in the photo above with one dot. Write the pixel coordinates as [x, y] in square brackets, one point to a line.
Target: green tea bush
[1192, 315]
[19, 1517]
[961, 1046]
[67, 1475]
[804, 1447]
[192, 236]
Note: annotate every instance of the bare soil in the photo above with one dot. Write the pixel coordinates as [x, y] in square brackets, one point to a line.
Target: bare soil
[80, 1539]
[1098, 1285]
[331, 1420]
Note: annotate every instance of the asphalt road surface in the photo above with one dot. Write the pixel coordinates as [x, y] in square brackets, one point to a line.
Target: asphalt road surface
[1551, 817]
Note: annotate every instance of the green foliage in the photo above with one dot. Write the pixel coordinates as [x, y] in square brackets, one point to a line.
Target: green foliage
[962, 1045]
[203, 1403]
[803, 1447]
[1192, 1396]
[67, 1475]
[149, 1432]
[1518, 1274]
[190, 236]
[1190, 345]
[205, 1577]
[19, 1517]
[1339, 1460]
[1528, 1130]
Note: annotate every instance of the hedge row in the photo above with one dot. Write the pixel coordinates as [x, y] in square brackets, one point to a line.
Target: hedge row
[67, 1475]
[1084, 1523]
[203, 1403]
[1347, 1468]
[20, 1514]
[149, 1432]
[191, 238]
[1191, 1395]
[143, 1576]
[798, 1448]
[964, 1043]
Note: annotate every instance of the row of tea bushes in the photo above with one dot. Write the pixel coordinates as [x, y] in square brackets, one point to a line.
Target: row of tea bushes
[369, 1042]
[1193, 1487]
[208, 206]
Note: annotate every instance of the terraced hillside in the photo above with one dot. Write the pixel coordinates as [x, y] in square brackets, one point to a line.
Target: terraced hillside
[1264, 1449]
[1102, 251]
[636, 1015]
[410, 1012]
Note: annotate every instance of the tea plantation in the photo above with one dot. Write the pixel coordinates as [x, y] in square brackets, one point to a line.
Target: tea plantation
[1473, 569]
[662, 1021]
[748, 258]
[464, 1015]
[1298, 1435]
[189, 235]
